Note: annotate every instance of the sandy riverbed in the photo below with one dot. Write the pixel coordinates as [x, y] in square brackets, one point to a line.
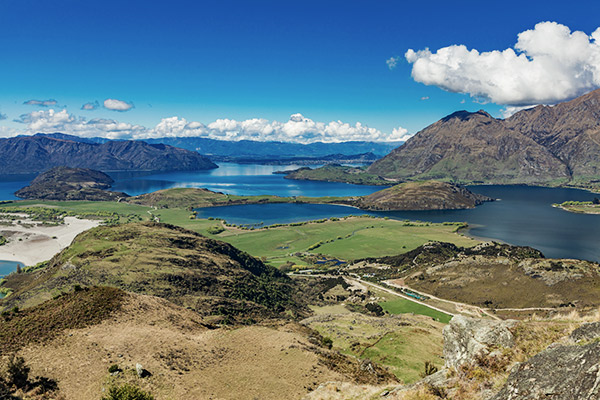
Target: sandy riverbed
[37, 242]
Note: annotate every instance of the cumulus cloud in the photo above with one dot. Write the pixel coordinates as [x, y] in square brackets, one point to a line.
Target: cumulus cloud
[41, 103]
[392, 62]
[297, 129]
[548, 64]
[90, 106]
[117, 105]
[48, 121]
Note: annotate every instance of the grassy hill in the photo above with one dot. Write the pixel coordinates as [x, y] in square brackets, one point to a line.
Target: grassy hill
[421, 195]
[209, 276]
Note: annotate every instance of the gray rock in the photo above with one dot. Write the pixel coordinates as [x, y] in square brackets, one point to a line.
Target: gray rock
[557, 373]
[589, 331]
[466, 338]
[141, 372]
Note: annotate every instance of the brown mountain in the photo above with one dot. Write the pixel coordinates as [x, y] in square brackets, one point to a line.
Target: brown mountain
[471, 147]
[29, 154]
[542, 145]
[570, 130]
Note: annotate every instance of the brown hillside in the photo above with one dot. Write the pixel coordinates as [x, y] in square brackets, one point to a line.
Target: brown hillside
[422, 195]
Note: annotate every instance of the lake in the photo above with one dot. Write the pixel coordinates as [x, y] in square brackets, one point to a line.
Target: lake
[523, 216]
[242, 179]
[6, 267]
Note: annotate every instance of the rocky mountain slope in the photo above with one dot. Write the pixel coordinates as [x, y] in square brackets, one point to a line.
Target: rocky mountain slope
[29, 154]
[64, 183]
[421, 195]
[543, 145]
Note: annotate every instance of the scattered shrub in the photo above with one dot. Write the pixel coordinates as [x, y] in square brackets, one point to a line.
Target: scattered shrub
[215, 230]
[114, 368]
[327, 342]
[127, 392]
[17, 372]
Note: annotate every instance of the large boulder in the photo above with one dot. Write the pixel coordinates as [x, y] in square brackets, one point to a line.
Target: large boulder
[465, 339]
[558, 373]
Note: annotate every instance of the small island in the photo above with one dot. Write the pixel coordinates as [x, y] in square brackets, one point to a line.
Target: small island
[581, 207]
[422, 195]
[337, 173]
[64, 183]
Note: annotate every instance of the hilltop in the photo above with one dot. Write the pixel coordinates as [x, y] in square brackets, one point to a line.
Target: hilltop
[209, 276]
[422, 195]
[182, 355]
[30, 154]
[64, 183]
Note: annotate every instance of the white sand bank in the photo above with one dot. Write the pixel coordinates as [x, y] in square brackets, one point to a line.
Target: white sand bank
[37, 243]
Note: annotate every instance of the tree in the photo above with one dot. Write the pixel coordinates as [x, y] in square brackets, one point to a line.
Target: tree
[596, 200]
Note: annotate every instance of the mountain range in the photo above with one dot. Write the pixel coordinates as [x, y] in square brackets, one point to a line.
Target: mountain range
[542, 145]
[30, 154]
[226, 150]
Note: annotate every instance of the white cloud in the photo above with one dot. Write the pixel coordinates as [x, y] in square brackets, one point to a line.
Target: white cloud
[90, 106]
[392, 62]
[424, 98]
[548, 64]
[508, 111]
[49, 121]
[117, 105]
[297, 129]
[41, 103]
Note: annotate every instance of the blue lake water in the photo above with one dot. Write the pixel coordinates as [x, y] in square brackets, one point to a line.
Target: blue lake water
[523, 216]
[240, 179]
[6, 267]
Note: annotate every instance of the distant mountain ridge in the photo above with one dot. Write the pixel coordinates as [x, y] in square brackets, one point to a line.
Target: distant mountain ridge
[252, 149]
[38, 153]
[543, 145]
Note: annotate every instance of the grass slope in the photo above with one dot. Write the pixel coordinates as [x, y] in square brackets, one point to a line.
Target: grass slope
[210, 276]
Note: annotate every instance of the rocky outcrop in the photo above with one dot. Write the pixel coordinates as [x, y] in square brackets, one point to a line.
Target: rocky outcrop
[466, 339]
[561, 372]
[558, 373]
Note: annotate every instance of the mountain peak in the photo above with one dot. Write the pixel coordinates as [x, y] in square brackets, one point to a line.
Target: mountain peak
[464, 115]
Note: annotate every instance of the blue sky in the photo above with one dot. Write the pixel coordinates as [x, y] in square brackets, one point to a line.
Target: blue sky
[238, 60]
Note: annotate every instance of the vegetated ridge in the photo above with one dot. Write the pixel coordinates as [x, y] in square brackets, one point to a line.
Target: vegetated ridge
[492, 275]
[336, 173]
[546, 145]
[422, 195]
[30, 154]
[64, 183]
[211, 277]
